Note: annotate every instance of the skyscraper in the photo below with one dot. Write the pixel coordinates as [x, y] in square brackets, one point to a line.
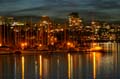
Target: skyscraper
[1, 23]
[74, 19]
[45, 25]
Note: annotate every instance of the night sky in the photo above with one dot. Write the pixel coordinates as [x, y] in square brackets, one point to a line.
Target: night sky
[88, 9]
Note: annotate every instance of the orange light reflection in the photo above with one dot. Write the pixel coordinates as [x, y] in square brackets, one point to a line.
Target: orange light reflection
[96, 62]
[94, 65]
[70, 62]
[40, 57]
[69, 70]
[22, 67]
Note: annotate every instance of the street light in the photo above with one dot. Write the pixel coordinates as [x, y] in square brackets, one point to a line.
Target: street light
[0, 44]
[23, 45]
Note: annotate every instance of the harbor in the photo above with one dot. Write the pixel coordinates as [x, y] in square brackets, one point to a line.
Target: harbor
[42, 65]
[59, 39]
[73, 35]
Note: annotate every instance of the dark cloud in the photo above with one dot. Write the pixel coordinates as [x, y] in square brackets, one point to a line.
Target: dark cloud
[7, 1]
[61, 13]
[99, 9]
[105, 4]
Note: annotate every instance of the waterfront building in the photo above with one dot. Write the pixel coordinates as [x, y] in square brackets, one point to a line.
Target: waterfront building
[46, 32]
[74, 20]
[5, 23]
[43, 31]
[8, 31]
[75, 27]
[16, 33]
[1, 23]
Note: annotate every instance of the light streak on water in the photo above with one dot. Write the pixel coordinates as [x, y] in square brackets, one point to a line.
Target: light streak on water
[94, 65]
[40, 58]
[23, 62]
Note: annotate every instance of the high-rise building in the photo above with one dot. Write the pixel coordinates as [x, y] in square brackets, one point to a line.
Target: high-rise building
[74, 19]
[43, 34]
[5, 32]
[1, 23]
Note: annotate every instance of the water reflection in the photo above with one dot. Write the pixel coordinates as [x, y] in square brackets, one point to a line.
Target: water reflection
[36, 68]
[45, 68]
[58, 65]
[40, 66]
[23, 67]
[93, 65]
[69, 66]
[96, 57]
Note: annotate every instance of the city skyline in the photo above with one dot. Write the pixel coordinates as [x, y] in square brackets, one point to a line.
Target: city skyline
[104, 10]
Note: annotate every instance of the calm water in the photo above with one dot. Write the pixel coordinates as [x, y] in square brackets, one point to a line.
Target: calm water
[94, 65]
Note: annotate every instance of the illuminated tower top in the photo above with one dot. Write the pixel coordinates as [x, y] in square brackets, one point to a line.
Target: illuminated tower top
[74, 19]
[45, 21]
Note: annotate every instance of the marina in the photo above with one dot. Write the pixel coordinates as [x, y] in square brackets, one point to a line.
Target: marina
[44, 65]
[59, 39]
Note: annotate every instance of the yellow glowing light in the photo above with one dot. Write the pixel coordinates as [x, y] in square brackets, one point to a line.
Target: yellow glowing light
[93, 22]
[76, 23]
[94, 65]
[40, 57]
[80, 20]
[23, 67]
[69, 66]
[22, 44]
[73, 21]
[57, 30]
[25, 44]
[11, 27]
[0, 44]
[98, 48]
[62, 29]
[68, 43]
[40, 24]
[51, 30]
[52, 43]
[40, 45]
[45, 22]
[94, 44]
[18, 24]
